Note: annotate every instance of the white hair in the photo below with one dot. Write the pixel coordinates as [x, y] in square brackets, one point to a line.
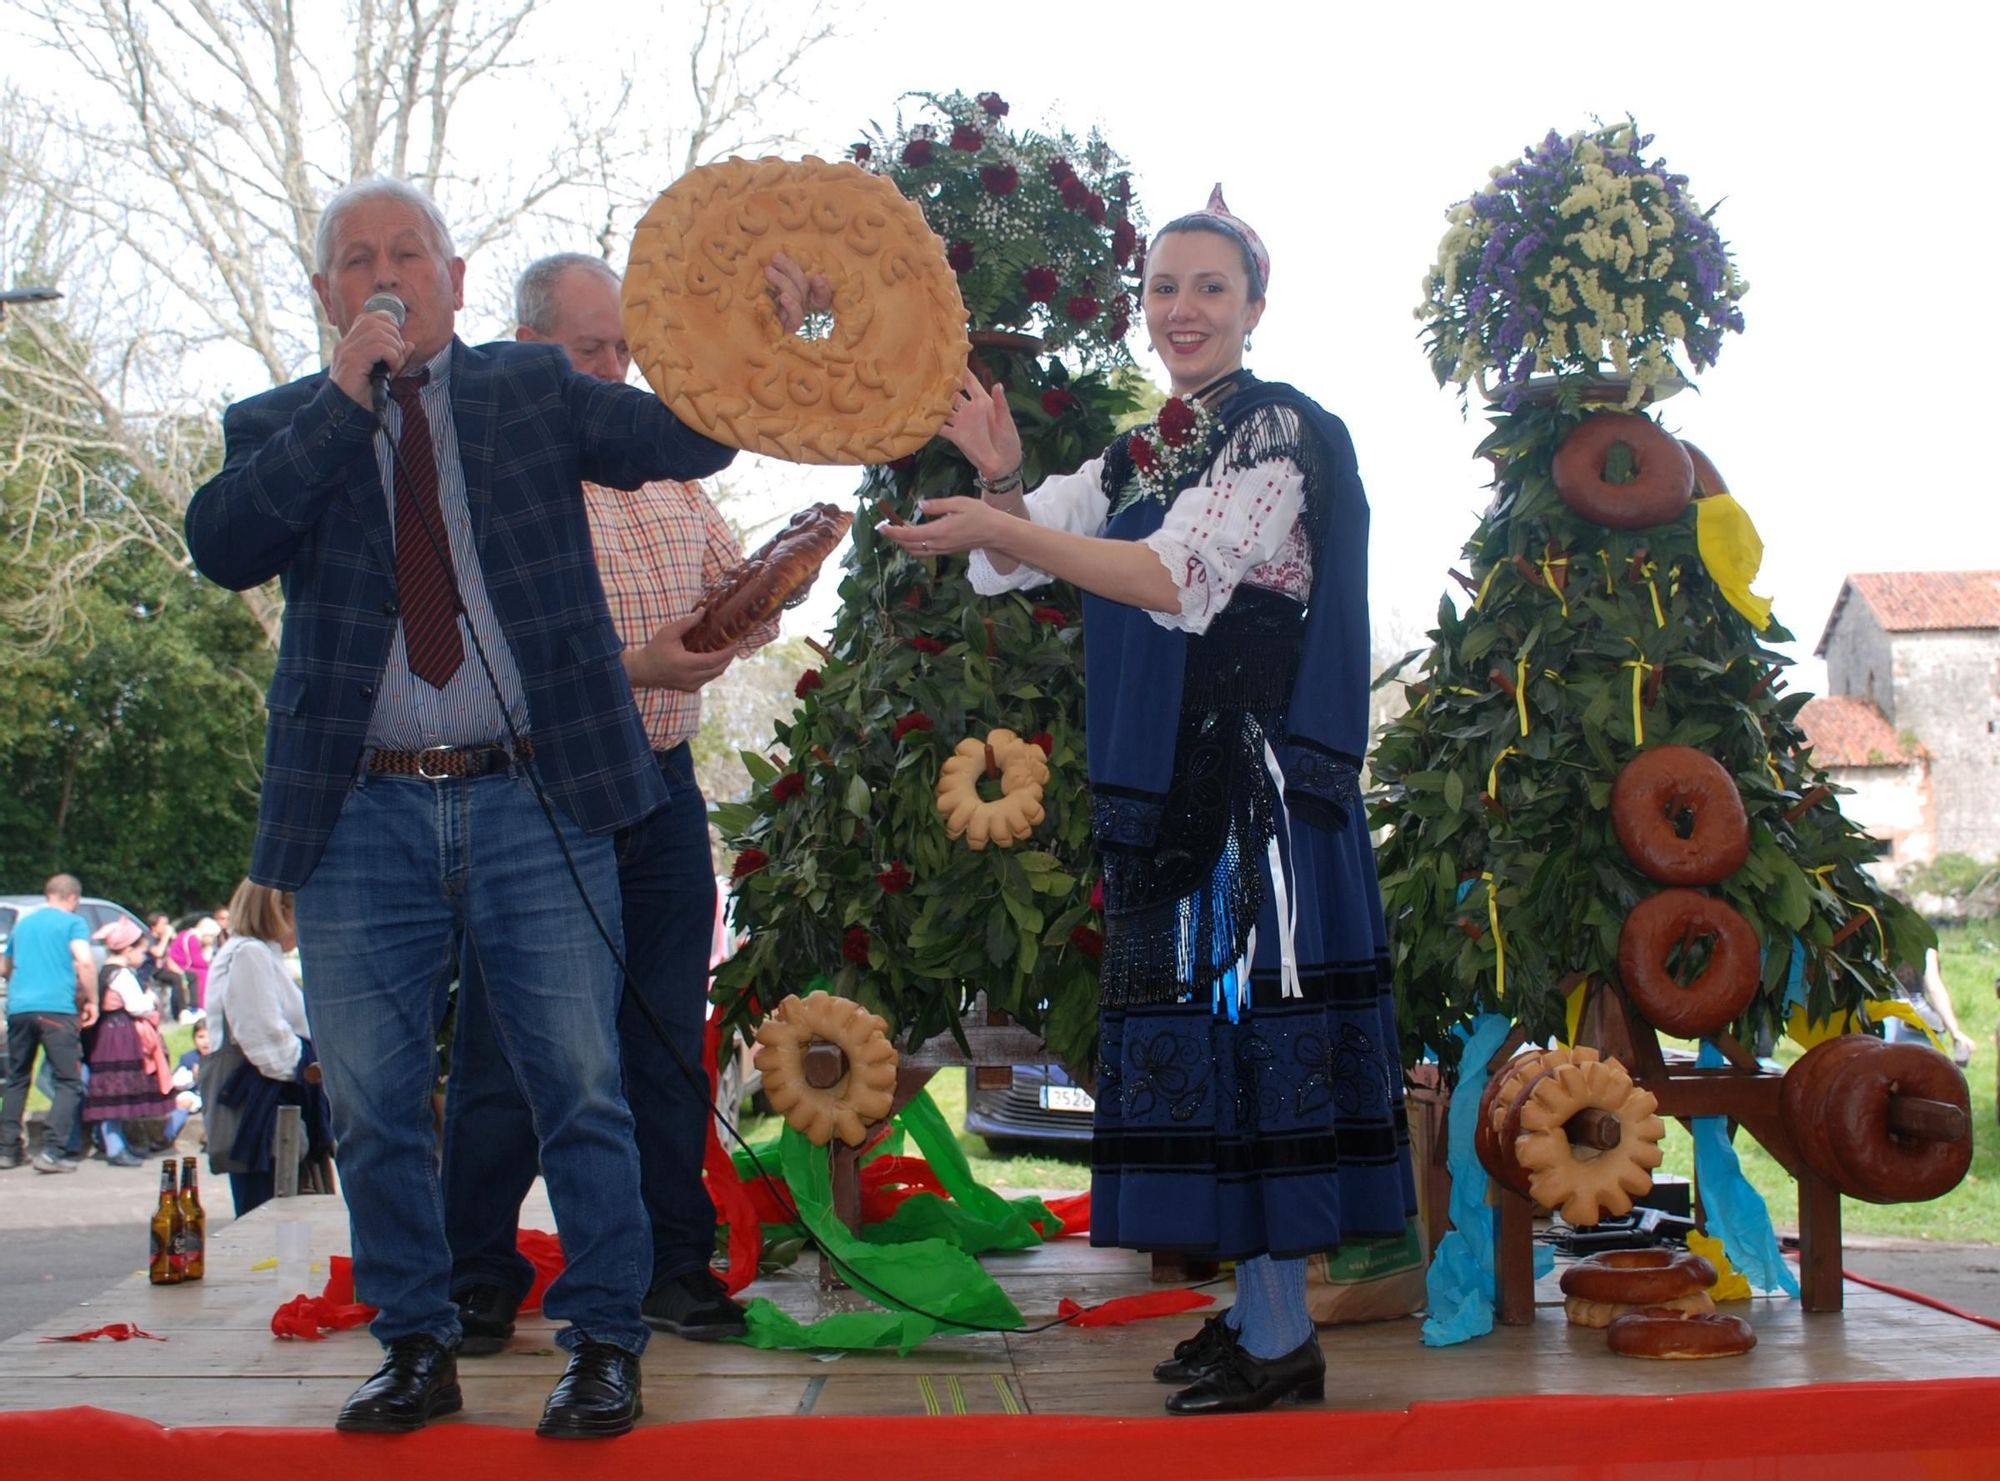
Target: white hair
[376, 188]
[535, 289]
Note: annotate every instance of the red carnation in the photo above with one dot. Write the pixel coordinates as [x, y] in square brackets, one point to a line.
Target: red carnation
[1176, 422]
[749, 862]
[854, 945]
[1056, 401]
[1075, 194]
[994, 104]
[1097, 896]
[1139, 253]
[915, 720]
[1124, 237]
[895, 879]
[965, 136]
[788, 786]
[1094, 209]
[1121, 316]
[960, 256]
[808, 681]
[1142, 453]
[862, 153]
[1059, 171]
[1043, 739]
[917, 153]
[999, 179]
[1051, 616]
[924, 645]
[1123, 188]
[1089, 942]
[1040, 284]
[1082, 308]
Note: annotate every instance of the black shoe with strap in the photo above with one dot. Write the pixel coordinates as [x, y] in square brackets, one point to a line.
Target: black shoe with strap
[597, 1396]
[417, 1382]
[1242, 1384]
[485, 1319]
[695, 1306]
[1199, 1353]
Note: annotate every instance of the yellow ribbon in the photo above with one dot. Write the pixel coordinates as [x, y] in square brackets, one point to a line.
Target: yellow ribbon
[1640, 669]
[1824, 873]
[1573, 1010]
[1605, 556]
[1499, 941]
[1771, 765]
[1730, 1284]
[1806, 1032]
[1493, 776]
[1650, 570]
[1521, 692]
[1733, 551]
[1484, 587]
[1549, 577]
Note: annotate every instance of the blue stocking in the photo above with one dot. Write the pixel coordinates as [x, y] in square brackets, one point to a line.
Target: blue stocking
[1275, 1320]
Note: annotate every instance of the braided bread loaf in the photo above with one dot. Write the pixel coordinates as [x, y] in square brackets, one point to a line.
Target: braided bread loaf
[748, 594]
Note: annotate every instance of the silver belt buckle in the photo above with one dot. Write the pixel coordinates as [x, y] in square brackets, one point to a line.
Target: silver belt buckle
[433, 776]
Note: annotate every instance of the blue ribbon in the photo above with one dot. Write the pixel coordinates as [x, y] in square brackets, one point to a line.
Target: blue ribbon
[1732, 1209]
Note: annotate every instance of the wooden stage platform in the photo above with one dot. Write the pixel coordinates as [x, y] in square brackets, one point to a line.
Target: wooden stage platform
[221, 1365]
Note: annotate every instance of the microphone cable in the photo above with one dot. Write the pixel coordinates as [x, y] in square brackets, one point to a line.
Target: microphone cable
[695, 1077]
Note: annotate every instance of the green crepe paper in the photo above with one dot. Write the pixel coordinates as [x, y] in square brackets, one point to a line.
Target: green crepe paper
[932, 1274]
[976, 1219]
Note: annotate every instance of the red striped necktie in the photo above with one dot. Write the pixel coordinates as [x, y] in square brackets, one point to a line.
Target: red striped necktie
[424, 578]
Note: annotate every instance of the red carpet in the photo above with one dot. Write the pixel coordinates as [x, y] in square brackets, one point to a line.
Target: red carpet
[1922, 1430]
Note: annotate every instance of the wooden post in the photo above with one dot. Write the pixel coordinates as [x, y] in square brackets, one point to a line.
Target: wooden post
[1819, 1243]
[1514, 1260]
[288, 1146]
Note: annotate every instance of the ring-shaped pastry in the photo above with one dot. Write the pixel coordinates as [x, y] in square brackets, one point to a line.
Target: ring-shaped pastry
[1655, 1333]
[1802, 1094]
[859, 1098]
[1652, 791]
[1881, 1165]
[1663, 474]
[1502, 1086]
[704, 329]
[1586, 1183]
[758, 589]
[1707, 482]
[1638, 1277]
[1008, 818]
[1726, 985]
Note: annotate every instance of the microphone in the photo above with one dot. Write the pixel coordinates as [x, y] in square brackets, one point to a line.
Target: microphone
[378, 378]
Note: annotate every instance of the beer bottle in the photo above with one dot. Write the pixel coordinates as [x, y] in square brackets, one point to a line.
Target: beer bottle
[195, 1220]
[164, 1267]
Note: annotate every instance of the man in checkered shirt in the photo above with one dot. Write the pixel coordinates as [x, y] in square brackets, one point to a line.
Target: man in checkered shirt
[656, 547]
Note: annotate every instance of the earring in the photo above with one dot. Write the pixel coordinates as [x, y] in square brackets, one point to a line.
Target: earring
[1246, 344]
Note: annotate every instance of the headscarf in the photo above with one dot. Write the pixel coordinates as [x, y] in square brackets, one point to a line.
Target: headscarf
[1241, 228]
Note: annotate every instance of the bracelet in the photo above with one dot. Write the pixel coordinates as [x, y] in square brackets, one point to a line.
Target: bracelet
[1005, 483]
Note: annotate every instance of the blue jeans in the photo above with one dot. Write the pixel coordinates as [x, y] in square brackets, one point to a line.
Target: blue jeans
[413, 872]
[667, 882]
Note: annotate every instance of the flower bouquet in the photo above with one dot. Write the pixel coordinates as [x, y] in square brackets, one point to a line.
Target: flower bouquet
[1040, 229]
[1580, 252]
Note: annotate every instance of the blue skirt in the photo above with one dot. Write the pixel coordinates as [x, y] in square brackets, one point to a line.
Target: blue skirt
[1278, 1128]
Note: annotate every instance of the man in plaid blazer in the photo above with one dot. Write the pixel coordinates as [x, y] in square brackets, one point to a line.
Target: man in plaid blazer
[446, 654]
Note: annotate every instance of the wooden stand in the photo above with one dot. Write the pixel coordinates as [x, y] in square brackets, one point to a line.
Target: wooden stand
[1740, 1090]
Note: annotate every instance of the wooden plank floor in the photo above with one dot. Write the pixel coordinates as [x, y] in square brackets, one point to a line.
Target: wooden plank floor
[221, 1365]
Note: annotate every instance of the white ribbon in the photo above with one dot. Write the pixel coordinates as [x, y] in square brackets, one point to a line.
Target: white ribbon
[1287, 906]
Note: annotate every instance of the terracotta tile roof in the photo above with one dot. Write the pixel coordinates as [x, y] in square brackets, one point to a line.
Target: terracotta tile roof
[1846, 731]
[1922, 601]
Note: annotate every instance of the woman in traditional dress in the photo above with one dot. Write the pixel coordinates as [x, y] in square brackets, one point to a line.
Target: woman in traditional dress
[129, 1078]
[1249, 1098]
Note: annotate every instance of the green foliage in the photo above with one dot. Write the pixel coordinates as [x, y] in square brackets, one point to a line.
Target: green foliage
[999, 920]
[1477, 807]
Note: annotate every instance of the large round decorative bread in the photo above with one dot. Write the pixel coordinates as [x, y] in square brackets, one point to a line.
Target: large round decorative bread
[704, 327]
[1801, 1099]
[1879, 1164]
[1655, 928]
[1656, 1332]
[754, 591]
[1662, 472]
[859, 1098]
[1653, 792]
[1022, 771]
[1586, 1183]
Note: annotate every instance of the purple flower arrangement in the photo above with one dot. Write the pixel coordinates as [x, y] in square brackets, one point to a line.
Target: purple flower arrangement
[1578, 258]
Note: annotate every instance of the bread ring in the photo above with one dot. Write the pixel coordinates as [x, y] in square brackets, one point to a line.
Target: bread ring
[1600, 1314]
[1653, 789]
[1584, 1183]
[1880, 1165]
[1802, 1094]
[1663, 473]
[757, 589]
[1655, 1333]
[1502, 1086]
[1638, 1277]
[1008, 818]
[859, 1098]
[705, 332]
[1725, 987]
[1707, 482]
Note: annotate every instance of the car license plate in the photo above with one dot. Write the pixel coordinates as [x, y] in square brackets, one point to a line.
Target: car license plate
[1067, 1098]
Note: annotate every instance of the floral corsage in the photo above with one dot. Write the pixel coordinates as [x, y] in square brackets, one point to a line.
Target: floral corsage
[1169, 448]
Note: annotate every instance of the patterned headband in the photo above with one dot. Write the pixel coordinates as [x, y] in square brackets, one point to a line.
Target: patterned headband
[1255, 243]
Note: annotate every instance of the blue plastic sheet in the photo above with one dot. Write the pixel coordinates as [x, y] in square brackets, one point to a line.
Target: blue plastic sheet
[1732, 1209]
[1459, 1286]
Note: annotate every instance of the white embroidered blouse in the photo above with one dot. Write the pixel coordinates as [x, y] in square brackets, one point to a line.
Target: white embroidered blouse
[1241, 529]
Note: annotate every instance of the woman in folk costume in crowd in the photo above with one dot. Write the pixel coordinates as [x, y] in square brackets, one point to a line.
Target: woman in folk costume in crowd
[1249, 1098]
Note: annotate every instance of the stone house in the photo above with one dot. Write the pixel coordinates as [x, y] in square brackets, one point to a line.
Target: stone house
[1911, 717]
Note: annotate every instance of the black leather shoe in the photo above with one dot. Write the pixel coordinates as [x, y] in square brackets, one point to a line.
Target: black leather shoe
[597, 1396]
[695, 1306]
[1198, 1354]
[1242, 1384]
[485, 1319]
[417, 1382]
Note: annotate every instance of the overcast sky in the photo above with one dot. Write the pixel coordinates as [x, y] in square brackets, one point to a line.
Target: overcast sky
[1843, 142]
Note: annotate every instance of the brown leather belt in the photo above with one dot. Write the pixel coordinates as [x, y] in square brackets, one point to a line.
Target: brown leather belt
[437, 763]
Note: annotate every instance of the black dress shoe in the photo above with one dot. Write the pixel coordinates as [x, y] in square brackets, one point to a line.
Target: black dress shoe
[695, 1306]
[417, 1382]
[1241, 1384]
[598, 1395]
[485, 1319]
[1199, 1353]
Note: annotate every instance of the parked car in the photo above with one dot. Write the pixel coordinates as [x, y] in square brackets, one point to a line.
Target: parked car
[1041, 1107]
[96, 913]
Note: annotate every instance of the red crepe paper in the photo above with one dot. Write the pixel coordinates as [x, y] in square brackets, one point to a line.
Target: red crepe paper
[732, 1201]
[1122, 1309]
[888, 1181]
[117, 1332]
[1074, 1211]
[310, 1318]
[544, 1251]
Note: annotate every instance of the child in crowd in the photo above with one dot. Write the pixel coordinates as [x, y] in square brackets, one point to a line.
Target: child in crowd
[187, 1080]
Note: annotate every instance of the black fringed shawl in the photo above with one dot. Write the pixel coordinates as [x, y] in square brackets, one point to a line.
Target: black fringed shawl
[1140, 712]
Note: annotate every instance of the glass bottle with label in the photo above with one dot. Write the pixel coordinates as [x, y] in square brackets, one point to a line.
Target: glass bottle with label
[165, 1265]
[195, 1220]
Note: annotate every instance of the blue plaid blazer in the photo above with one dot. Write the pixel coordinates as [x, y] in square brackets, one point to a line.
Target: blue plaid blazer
[299, 498]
